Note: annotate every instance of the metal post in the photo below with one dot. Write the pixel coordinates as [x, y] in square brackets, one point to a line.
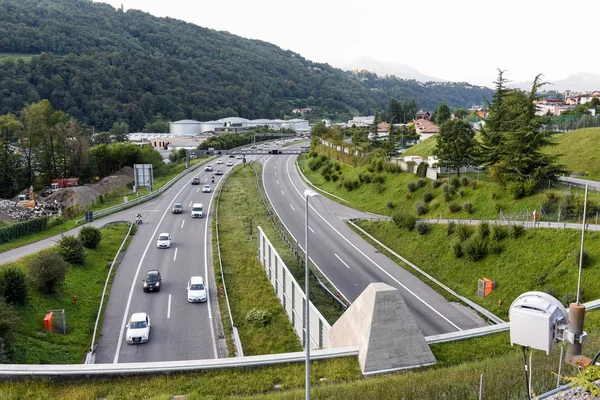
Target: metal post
[582, 239]
[307, 311]
[562, 350]
[480, 386]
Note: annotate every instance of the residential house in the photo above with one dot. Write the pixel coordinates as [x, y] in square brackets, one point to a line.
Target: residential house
[425, 128]
[422, 115]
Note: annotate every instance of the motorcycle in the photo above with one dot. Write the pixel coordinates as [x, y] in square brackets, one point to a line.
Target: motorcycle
[138, 221]
[212, 180]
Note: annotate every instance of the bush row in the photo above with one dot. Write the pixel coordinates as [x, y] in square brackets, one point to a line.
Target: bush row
[20, 229]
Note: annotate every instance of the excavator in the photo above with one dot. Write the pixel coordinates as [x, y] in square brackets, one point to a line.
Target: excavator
[27, 200]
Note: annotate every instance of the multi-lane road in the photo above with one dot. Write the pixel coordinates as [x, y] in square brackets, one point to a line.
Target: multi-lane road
[350, 262]
[180, 330]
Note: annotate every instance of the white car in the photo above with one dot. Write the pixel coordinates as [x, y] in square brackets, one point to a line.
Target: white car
[219, 161]
[196, 210]
[229, 163]
[206, 189]
[208, 168]
[238, 157]
[138, 328]
[196, 291]
[163, 241]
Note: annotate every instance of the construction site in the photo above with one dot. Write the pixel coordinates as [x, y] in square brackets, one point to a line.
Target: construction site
[62, 194]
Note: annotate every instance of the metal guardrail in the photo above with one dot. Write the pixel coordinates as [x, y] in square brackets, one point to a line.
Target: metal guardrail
[10, 371]
[89, 358]
[123, 206]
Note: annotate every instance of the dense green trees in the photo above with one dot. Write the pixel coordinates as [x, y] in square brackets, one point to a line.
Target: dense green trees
[102, 66]
[442, 114]
[456, 145]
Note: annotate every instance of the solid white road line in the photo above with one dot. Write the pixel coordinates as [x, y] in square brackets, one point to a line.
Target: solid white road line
[175, 255]
[135, 278]
[368, 258]
[292, 207]
[338, 257]
[210, 318]
[182, 222]
[169, 308]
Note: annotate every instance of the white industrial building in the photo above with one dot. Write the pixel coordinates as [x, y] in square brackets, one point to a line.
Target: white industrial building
[235, 125]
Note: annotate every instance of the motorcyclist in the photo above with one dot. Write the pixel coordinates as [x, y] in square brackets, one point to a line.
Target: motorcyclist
[139, 218]
[212, 179]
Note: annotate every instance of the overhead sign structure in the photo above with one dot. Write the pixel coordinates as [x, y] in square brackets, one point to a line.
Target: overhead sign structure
[143, 176]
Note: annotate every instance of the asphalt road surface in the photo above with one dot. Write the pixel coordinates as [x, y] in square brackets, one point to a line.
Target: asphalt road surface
[349, 261]
[180, 330]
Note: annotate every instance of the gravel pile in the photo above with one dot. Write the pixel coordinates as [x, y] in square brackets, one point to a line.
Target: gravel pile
[9, 209]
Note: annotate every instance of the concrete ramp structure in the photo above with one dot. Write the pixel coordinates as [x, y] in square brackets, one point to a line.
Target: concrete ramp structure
[380, 324]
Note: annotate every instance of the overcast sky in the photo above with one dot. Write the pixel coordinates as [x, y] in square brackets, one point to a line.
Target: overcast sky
[460, 40]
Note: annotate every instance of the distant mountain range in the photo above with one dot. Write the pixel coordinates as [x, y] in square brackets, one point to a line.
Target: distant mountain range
[381, 68]
[579, 82]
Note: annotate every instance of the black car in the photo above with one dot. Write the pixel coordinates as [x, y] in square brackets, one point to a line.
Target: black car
[196, 181]
[231, 156]
[152, 281]
[177, 208]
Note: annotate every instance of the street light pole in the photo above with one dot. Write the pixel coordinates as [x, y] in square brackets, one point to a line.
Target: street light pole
[307, 193]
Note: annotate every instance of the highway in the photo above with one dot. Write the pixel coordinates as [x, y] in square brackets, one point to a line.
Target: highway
[180, 330]
[349, 261]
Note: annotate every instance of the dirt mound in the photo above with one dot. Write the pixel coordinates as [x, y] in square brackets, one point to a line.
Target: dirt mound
[120, 178]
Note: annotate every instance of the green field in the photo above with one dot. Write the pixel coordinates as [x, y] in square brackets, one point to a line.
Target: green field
[16, 56]
[86, 282]
[541, 259]
[487, 198]
[423, 149]
[580, 151]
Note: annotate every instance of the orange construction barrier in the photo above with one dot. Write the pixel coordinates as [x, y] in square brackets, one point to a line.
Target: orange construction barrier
[488, 286]
[48, 322]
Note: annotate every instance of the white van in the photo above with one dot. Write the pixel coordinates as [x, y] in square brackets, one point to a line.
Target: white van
[197, 210]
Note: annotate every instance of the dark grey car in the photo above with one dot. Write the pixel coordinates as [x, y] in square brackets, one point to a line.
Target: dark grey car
[152, 281]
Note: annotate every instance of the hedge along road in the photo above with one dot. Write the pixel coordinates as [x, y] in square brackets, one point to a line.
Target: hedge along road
[348, 260]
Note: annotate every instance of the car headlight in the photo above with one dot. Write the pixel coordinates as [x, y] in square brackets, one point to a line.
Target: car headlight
[128, 337]
[145, 284]
[157, 283]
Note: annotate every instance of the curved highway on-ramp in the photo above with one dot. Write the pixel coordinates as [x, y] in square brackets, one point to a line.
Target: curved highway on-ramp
[349, 261]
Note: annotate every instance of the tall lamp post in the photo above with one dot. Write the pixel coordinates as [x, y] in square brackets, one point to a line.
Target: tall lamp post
[307, 193]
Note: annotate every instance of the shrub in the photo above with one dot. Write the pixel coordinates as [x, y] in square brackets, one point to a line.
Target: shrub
[516, 190]
[323, 157]
[468, 207]
[327, 177]
[422, 227]
[483, 229]
[335, 177]
[379, 178]
[71, 250]
[420, 208]
[404, 220]
[351, 183]
[411, 186]
[56, 221]
[585, 259]
[447, 188]
[475, 248]
[551, 197]
[421, 183]
[364, 177]
[390, 204]
[447, 197]
[463, 232]
[392, 168]
[20, 229]
[90, 237]
[259, 317]
[450, 228]
[435, 183]
[454, 207]
[461, 193]
[336, 166]
[455, 182]
[457, 249]
[47, 272]
[464, 181]
[529, 187]
[473, 185]
[427, 197]
[496, 194]
[494, 247]
[498, 232]
[379, 188]
[13, 285]
[515, 231]
[314, 164]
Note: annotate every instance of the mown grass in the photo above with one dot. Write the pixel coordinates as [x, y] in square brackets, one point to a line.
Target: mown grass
[245, 278]
[86, 282]
[580, 151]
[456, 376]
[109, 199]
[16, 56]
[423, 149]
[541, 259]
[487, 197]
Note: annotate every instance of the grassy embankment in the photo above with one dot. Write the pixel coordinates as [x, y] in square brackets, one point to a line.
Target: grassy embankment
[580, 151]
[108, 199]
[540, 259]
[247, 284]
[456, 376]
[486, 198]
[16, 56]
[86, 282]
[423, 149]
